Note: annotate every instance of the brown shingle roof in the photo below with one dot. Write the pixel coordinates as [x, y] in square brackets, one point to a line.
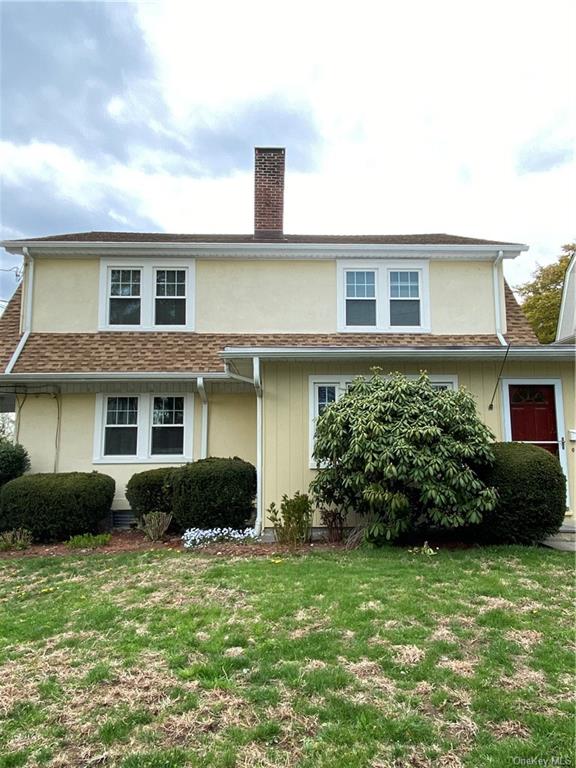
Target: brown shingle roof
[519, 329]
[116, 351]
[10, 328]
[163, 237]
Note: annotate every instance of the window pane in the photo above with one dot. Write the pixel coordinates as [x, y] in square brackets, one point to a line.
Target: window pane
[360, 285]
[124, 312]
[170, 312]
[122, 410]
[404, 285]
[405, 312]
[168, 410]
[326, 395]
[360, 312]
[168, 440]
[120, 441]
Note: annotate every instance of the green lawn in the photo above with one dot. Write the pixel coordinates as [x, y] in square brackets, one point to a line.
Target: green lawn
[377, 659]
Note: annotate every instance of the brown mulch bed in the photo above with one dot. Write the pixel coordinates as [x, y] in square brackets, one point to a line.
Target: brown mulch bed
[135, 541]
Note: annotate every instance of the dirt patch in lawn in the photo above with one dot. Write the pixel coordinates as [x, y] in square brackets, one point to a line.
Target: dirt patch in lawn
[135, 541]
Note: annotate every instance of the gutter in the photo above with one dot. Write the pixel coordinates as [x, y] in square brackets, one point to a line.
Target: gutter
[204, 427]
[497, 303]
[27, 320]
[546, 352]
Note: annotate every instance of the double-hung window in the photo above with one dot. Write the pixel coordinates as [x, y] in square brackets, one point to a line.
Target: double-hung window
[121, 430]
[360, 298]
[167, 426]
[170, 297]
[124, 307]
[146, 427]
[404, 286]
[145, 295]
[381, 296]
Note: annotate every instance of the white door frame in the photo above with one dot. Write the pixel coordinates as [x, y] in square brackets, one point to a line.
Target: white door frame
[560, 423]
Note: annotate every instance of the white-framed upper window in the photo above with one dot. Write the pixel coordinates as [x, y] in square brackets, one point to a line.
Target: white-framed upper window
[324, 390]
[383, 296]
[143, 427]
[170, 296]
[146, 295]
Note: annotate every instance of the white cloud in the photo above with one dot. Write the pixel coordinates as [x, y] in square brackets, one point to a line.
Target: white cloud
[424, 111]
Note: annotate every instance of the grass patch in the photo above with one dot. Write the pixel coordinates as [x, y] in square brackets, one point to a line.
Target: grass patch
[363, 659]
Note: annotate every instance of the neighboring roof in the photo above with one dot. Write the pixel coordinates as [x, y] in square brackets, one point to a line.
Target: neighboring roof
[566, 328]
[163, 237]
[164, 351]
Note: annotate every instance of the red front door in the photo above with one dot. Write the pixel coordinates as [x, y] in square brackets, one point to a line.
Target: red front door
[533, 415]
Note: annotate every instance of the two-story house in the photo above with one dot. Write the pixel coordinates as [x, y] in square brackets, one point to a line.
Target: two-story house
[126, 351]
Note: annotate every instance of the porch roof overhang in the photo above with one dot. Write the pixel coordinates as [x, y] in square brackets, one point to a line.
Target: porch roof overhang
[550, 352]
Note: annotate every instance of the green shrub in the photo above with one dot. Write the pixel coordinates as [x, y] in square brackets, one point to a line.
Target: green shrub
[214, 493]
[14, 460]
[531, 491]
[88, 540]
[18, 538]
[292, 522]
[56, 506]
[155, 524]
[405, 453]
[150, 491]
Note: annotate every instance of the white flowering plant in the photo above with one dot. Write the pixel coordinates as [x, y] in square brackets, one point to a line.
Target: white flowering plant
[198, 537]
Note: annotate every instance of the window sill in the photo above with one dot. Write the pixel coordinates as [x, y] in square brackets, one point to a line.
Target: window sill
[146, 328]
[139, 460]
[389, 330]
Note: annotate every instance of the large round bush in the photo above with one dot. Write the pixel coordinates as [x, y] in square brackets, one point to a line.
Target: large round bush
[214, 493]
[405, 453]
[150, 491]
[531, 491]
[56, 506]
[14, 460]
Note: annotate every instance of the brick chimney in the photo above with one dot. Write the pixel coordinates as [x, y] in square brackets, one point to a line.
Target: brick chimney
[269, 192]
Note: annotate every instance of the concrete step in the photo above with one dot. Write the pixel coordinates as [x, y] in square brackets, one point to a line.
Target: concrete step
[562, 546]
[565, 539]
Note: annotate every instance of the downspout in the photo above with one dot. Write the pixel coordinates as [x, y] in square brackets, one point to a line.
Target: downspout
[27, 319]
[204, 428]
[259, 441]
[497, 303]
[256, 382]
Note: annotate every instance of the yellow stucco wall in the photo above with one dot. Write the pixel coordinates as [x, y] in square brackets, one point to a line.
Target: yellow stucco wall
[286, 412]
[256, 296]
[232, 432]
[461, 297]
[266, 296]
[65, 295]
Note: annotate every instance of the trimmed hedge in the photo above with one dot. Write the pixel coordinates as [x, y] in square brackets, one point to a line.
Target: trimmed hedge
[214, 493]
[56, 506]
[150, 491]
[531, 496]
[14, 461]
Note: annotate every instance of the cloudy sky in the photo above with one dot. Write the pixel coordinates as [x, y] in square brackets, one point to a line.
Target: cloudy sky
[397, 117]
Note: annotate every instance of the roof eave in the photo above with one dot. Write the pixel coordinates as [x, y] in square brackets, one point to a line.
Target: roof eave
[424, 353]
[319, 250]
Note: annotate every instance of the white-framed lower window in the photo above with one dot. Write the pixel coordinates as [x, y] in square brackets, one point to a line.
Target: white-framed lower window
[144, 427]
[323, 390]
[146, 294]
[380, 296]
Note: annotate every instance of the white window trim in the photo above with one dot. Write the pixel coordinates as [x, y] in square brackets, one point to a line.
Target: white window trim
[382, 268]
[148, 269]
[341, 382]
[560, 423]
[144, 440]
